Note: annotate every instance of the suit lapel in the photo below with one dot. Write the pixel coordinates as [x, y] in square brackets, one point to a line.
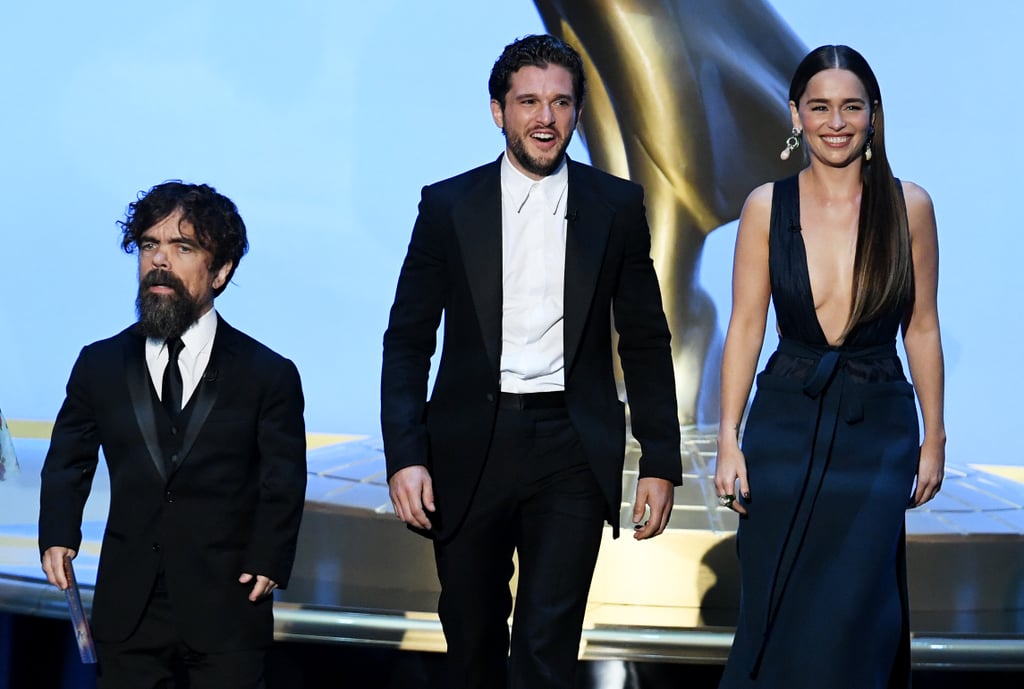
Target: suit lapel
[477, 221]
[139, 385]
[587, 232]
[205, 395]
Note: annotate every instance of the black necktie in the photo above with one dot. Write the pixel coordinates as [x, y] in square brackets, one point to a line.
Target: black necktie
[173, 387]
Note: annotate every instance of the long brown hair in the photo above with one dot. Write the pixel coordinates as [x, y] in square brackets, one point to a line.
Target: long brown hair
[883, 268]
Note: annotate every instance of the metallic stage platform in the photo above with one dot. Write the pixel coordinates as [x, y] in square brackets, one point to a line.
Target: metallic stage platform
[362, 578]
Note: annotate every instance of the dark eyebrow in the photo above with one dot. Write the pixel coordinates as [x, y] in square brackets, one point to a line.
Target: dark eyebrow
[146, 237]
[534, 96]
[845, 100]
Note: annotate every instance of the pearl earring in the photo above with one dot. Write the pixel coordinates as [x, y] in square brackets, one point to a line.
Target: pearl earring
[792, 143]
[867, 147]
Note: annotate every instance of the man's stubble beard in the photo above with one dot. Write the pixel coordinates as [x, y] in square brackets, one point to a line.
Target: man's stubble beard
[517, 145]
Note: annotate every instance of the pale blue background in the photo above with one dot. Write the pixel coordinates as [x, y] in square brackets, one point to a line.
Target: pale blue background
[323, 120]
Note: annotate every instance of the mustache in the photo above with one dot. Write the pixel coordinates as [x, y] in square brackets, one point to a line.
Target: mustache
[163, 278]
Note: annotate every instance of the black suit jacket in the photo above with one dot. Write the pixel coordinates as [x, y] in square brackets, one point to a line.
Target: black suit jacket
[232, 502]
[454, 267]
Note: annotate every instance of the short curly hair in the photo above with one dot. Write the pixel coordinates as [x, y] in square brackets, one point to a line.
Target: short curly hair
[538, 50]
[218, 226]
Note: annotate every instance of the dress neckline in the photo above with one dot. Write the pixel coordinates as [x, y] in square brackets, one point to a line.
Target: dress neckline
[808, 293]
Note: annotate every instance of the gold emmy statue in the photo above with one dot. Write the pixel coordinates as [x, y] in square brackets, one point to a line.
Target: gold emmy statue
[687, 98]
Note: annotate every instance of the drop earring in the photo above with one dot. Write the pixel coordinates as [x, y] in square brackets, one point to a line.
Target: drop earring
[867, 147]
[792, 143]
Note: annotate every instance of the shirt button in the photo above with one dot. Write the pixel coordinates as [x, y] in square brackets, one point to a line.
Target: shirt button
[156, 547]
[168, 496]
[174, 430]
[174, 458]
[490, 396]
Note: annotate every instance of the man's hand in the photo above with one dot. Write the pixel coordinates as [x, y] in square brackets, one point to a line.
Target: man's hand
[655, 493]
[262, 587]
[53, 565]
[412, 494]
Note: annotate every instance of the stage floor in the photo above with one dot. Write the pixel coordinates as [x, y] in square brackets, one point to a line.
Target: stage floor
[362, 578]
[331, 666]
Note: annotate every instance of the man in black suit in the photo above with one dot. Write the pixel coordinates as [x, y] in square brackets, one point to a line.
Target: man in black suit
[521, 447]
[202, 431]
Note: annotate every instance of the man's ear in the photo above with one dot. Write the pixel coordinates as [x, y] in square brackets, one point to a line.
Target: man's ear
[220, 278]
[498, 114]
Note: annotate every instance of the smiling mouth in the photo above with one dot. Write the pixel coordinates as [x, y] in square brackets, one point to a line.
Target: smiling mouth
[543, 137]
[837, 140]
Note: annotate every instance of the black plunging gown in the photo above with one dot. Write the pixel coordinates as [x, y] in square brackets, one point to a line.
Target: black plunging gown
[831, 446]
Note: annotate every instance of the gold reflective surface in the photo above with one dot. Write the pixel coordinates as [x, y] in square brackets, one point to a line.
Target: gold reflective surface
[689, 99]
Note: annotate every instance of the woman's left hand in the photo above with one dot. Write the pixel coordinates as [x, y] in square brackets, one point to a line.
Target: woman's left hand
[930, 470]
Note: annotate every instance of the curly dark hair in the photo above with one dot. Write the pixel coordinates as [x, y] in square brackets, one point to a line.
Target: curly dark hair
[218, 226]
[538, 50]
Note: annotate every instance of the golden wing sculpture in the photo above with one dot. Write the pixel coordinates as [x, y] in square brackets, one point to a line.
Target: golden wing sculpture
[689, 99]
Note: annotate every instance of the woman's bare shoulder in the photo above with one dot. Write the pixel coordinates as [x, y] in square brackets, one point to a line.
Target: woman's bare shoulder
[758, 206]
[916, 196]
[920, 211]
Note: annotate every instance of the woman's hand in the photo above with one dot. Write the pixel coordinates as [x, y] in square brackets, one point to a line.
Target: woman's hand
[730, 468]
[931, 465]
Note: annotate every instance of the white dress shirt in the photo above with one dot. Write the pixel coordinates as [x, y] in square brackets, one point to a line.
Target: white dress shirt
[193, 359]
[533, 229]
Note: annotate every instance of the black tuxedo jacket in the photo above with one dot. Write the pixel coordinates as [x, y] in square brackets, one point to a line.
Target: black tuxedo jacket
[454, 267]
[231, 502]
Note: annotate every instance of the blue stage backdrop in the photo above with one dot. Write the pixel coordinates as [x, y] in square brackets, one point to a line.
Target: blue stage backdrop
[323, 120]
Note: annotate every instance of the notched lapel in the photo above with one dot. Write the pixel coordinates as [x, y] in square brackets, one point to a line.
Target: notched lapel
[142, 400]
[589, 224]
[477, 221]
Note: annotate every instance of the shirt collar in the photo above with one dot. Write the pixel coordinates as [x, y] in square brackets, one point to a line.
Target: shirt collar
[518, 187]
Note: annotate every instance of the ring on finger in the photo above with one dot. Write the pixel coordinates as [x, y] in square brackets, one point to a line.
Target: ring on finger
[726, 500]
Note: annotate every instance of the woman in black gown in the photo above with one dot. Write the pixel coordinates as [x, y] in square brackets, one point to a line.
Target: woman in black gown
[831, 454]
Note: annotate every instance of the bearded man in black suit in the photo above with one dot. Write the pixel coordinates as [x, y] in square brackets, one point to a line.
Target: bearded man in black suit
[521, 447]
[202, 431]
